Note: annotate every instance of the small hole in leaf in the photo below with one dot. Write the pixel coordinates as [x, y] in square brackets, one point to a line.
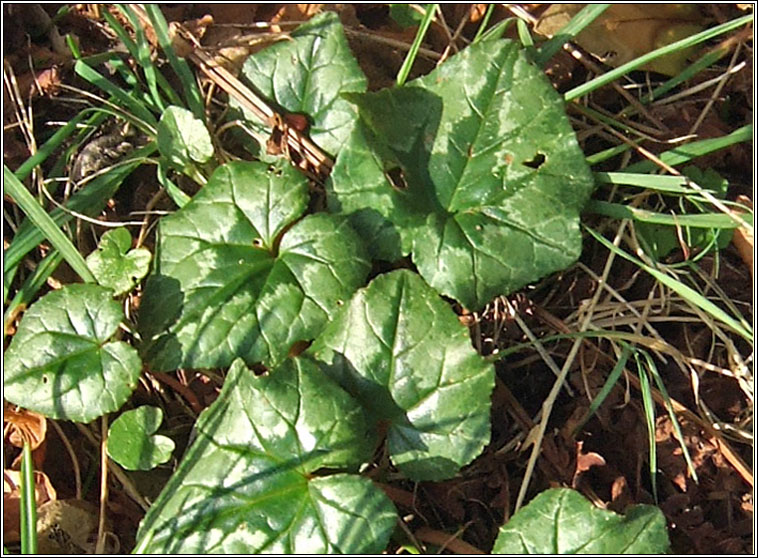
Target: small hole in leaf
[44, 379]
[257, 242]
[340, 302]
[396, 177]
[536, 161]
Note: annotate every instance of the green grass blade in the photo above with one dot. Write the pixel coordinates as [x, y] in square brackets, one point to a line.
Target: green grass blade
[587, 15]
[125, 100]
[191, 90]
[657, 182]
[42, 221]
[687, 293]
[405, 69]
[672, 415]
[649, 407]
[602, 156]
[613, 377]
[483, 24]
[89, 200]
[32, 285]
[689, 72]
[689, 151]
[49, 146]
[701, 220]
[687, 42]
[142, 55]
[28, 504]
[525, 37]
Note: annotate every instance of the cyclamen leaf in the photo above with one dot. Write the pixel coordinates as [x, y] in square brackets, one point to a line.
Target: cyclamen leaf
[62, 363]
[245, 485]
[473, 169]
[131, 443]
[183, 139]
[307, 75]
[400, 351]
[114, 265]
[562, 521]
[236, 275]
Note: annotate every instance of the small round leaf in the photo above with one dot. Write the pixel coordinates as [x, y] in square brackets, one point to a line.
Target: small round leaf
[131, 443]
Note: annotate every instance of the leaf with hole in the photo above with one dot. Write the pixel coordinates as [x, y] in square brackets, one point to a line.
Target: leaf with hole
[247, 484]
[114, 265]
[183, 139]
[307, 75]
[562, 521]
[64, 362]
[132, 443]
[473, 169]
[401, 351]
[238, 272]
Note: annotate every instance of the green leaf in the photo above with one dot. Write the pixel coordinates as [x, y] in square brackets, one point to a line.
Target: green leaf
[114, 265]
[62, 362]
[307, 75]
[131, 443]
[236, 273]
[247, 486]
[474, 169]
[401, 351]
[183, 139]
[562, 521]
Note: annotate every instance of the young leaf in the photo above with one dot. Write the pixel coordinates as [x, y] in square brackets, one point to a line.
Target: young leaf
[400, 351]
[246, 486]
[183, 139]
[62, 362]
[474, 168]
[562, 521]
[236, 275]
[131, 443]
[114, 265]
[307, 75]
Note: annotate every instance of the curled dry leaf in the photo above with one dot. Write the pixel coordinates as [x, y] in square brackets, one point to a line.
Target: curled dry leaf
[584, 461]
[21, 425]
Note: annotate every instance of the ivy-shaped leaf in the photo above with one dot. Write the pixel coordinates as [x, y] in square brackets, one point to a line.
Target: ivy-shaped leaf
[562, 521]
[473, 169]
[308, 75]
[63, 363]
[246, 485]
[401, 351]
[114, 265]
[236, 273]
[131, 440]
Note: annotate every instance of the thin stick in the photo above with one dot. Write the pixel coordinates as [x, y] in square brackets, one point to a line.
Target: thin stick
[547, 406]
[72, 455]
[100, 544]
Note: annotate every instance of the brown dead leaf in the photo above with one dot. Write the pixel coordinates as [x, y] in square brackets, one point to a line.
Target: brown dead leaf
[21, 425]
[584, 462]
[624, 32]
[43, 493]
